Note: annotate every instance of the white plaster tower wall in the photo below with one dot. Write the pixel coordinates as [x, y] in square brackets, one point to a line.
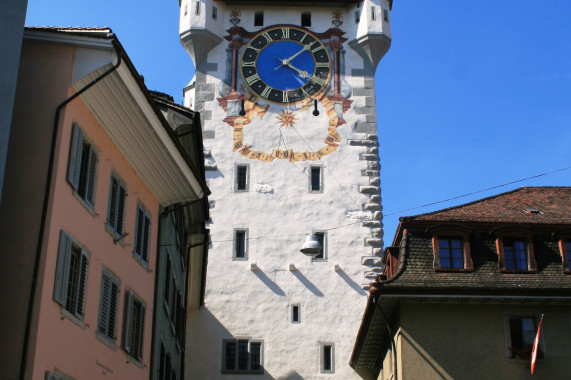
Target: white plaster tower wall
[250, 298]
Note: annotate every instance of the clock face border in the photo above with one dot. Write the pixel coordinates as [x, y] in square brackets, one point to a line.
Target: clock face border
[317, 81]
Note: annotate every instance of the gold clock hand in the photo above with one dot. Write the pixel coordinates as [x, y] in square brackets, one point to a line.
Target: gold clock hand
[303, 74]
[305, 47]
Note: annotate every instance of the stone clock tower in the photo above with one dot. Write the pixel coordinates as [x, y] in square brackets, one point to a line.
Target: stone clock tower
[285, 90]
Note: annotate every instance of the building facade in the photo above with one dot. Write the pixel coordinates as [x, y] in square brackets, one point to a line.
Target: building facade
[287, 102]
[91, 162]
[465, 288]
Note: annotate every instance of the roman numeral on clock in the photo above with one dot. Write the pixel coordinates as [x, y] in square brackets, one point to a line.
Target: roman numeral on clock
[266, 91]
[253, 79]
[318, 80]
[285, 33]
[285, 97]
[250, 64]
[322, 65]
[317, 49]
[268, 37]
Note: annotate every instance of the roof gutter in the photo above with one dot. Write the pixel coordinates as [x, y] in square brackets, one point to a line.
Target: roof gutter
[47, 196]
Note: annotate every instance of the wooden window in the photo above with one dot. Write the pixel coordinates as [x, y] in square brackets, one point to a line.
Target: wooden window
[142, 234]
[241, 183]
[134, 326]
[306, 19]
[108, 306]
[82, 168]
[521, 329]
[116, 214]
[71, 276]
[451, 248]
[242, 356]
[515, 251]
[240, 243]
[259, 18]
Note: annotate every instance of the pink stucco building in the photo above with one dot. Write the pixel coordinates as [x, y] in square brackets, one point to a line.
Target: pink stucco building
[91, 160]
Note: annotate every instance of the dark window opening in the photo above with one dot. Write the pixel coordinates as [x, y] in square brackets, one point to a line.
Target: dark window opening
[451, 253]
[327, 359]
[321, 239]
[241, 177]
[240, 243]
[259, 19]
[295, 313]
[315, 178]
[306, 19]
[515, 255]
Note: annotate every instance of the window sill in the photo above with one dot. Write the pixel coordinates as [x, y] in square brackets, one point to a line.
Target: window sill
[448, 270]
[106, 341]
[237, 372]
[133, 360]
[319, 260]
[240, 258]
[72, 318]
[117, 239]
[88, 207]
[518, 271]
[142, 262]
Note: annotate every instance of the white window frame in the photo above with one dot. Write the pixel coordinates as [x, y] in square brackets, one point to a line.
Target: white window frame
[324, 253]
[108, 306]
[141, 246]
[310, 179]
[234, 243]
[62, 277]
[236, 178]
[235, 370]
[117, 226]
[322, 346]
[134, 330]
[82, 171]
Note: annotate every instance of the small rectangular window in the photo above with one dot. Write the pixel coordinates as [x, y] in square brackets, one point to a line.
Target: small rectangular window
[82, 167]
[71, 276]
[241, 178]
[315, 174]
[522, 331]
[373, 13]
[240, 244]
[385, 15]
[259, 18]
[451, 253]
[327, 358]
[515, 255]
[306, 19]
[197, 9]
[321, 238]
[357, 16]
[116, 213]
[142, 234]
[214, 12]
[295, 313]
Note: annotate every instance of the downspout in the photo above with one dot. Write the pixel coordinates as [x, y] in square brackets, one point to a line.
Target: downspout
[47, 196]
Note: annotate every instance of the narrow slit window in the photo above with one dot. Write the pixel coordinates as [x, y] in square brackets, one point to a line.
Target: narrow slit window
[241, 178]
[357, 16]
[315, 178]
[295, 313]
[322, 241]
[240, 243]
[385, 15]
[373, 13]
[306, 19]
[197, 9]
[259, 19]
[214, 13]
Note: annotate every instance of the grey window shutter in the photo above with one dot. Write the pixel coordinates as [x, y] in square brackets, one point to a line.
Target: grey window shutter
[76, 150]
[112, 219]
[91, 176]
[139, 234]
[127, 333]
[114, 305]
[141, 333]
[121, 210]
[104, 305]
[50, 376]
[82, 283]
[146, 236]
[62, 269]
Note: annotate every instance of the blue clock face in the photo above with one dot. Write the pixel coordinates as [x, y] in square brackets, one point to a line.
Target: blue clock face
[285, 64]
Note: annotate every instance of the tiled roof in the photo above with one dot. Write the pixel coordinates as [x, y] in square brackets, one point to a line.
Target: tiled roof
[419, 274]
[553, 204]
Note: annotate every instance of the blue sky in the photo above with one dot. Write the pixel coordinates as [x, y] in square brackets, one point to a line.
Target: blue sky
[471, 95]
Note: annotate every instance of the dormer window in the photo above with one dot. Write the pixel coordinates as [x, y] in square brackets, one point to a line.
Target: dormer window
[451, 248]
[515, 250]
[306, 19]
[565, 251]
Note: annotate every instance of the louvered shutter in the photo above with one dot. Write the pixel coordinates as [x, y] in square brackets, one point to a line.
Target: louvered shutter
[139, 232]
[146, 236]
[105, 305]
[91, 176]
[113, 307]
[76, 151]
[128, 325]
[50, 376]
[112, 219]
[82, 283]
[121, 210]
[141, 333]
[62, 269]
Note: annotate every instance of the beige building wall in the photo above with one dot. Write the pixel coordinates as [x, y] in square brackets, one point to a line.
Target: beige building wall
[468, 341]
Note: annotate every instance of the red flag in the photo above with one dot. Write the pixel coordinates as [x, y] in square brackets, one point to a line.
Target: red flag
[536, 345]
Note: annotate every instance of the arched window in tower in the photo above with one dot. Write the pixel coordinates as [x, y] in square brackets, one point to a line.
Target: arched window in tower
[259, 18]
[306, 19]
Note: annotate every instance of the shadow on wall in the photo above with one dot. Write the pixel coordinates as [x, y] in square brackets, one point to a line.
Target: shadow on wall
[269, 283]
[356, 287]
[205, 340]
[293, 375]
[308, 284]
